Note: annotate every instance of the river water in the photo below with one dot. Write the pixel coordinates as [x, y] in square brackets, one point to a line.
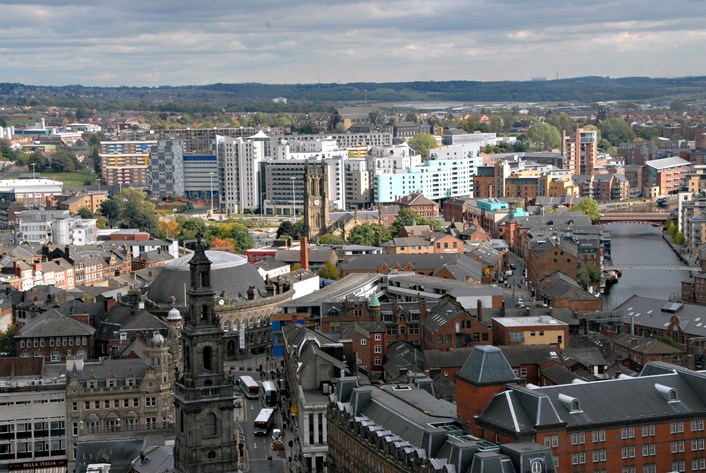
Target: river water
[642, 244]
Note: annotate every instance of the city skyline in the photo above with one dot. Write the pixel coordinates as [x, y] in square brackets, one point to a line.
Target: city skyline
[141, 44]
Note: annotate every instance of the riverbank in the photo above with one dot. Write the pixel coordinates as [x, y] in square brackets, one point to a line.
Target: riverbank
[680, 250]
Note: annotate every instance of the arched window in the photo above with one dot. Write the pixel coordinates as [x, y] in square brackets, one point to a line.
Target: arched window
[210, 427]
[187, 358]
[207, 355]
[226, 326]
[231, 347]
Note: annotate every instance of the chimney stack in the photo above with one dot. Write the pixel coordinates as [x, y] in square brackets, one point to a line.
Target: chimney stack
[304, 252]
[479, 310]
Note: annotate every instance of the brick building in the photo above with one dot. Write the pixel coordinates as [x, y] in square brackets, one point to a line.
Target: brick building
[367, 342]
[54, 337]
[419, 204]
[650, 423]
[665, 176]
[546, 256]
[448, 325]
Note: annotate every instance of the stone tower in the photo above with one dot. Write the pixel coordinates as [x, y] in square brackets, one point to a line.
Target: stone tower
[203, 396]
[315, 201]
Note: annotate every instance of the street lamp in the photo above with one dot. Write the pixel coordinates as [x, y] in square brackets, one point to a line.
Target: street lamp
[294, 201]
[210, 174]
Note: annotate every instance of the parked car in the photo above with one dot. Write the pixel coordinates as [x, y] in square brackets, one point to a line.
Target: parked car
[277, 440]
[512, 266]
[508, 273]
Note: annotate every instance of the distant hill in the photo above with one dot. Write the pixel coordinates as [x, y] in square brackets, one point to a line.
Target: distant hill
[580, 89]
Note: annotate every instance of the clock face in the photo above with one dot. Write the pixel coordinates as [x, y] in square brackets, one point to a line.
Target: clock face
[316, 202]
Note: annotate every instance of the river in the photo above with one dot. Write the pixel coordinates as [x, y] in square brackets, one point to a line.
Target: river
[642, 244]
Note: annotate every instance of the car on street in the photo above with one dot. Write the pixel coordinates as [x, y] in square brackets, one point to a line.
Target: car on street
[512, 266]
[508, 273]
[277, 439]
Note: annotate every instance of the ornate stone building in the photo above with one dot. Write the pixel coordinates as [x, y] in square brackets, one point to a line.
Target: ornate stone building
[244, 302]
[316, 211]
[104, 399]
[203, 395]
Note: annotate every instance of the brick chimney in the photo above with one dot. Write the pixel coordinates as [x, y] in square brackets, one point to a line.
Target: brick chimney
[479, 310]
[304, 252]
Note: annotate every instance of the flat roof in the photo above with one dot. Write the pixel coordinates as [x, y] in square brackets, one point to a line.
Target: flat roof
[529, 321]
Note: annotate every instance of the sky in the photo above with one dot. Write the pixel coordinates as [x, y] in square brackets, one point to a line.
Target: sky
[179, 42]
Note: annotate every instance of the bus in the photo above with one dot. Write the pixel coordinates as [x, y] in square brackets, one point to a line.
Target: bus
[263, 422]
[269, 394]
[249, 387]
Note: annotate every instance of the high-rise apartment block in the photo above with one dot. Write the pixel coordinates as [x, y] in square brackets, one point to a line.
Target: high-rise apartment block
[125, 163]
[166, 166]
[581, 150]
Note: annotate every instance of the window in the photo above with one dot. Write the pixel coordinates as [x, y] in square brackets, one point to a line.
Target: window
[599, 455]
[378, 337]
[677, 427]
[678, 446]
[629, 469]
[151, 422]
[378, 349]
[598, 436]
[697, 425]
[697, 444]
[363, 341]
[555, 441]
[678, 465]
[698, 464]
[210, 425]
[649, 468]
[649, 450]
[628, 452]
[150, 402]
[648, 430]
[578, 438]
[627, 433]
[578, 458]
[377, 361]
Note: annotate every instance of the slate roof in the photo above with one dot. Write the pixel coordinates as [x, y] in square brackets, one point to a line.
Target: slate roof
[661, 391]
[415, 200]
[119, 368]
[645, 345]
[445, 310]
[657, 314]
[53, 323]
[316, 255]
[517, 355]
[421, 261]
[587, 357]
[440, 359]
[559, 285]
[487, 365]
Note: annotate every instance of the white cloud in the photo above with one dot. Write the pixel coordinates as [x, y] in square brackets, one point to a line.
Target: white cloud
[136, 42]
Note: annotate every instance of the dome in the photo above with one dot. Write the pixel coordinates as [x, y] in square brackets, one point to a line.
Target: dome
[157, 339]
[374, 301]
[174, 315]
[230, 274]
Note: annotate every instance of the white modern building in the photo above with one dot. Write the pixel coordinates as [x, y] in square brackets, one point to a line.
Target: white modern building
[55, 226]
[30, 191]
[239, 162]
[447, 173]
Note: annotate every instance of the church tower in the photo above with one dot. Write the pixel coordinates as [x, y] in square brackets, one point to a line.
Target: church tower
[203, 396]
[315, 201]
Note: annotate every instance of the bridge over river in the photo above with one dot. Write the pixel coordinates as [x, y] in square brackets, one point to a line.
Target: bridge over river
[655, 267]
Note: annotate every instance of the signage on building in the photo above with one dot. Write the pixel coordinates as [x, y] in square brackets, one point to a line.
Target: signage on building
[36, 465]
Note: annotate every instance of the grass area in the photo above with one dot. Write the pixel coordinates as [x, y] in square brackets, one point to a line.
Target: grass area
[72, 180]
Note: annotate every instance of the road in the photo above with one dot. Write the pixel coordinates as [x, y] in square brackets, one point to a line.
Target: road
[516, 285]
[258, 454]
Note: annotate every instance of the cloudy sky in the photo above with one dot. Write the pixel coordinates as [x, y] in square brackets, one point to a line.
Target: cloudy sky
[178, 42]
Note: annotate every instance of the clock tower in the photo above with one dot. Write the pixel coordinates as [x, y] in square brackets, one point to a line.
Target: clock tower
[203, 396]
[315, 200]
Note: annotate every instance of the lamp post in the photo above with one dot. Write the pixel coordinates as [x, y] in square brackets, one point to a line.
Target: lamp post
[294, 201]
[33, 165]
[210, 175]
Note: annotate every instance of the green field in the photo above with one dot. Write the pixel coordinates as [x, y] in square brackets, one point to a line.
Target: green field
[72, 180]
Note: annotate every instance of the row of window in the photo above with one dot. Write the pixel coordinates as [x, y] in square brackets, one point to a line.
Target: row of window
[579, 438]
[116, 403]
[58, 341]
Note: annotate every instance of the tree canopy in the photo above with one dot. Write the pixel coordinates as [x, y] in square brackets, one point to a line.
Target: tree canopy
[616, 131]
[544, 136]
[588, 206]
[369, 234]
[422, 143]
[131, 209]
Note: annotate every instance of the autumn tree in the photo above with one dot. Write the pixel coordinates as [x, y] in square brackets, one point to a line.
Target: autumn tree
[407, 217]
[544, 136]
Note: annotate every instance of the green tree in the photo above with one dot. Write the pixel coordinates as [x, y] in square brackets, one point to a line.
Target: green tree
[64, 161]
[233, 232]
[189, 227]
[136, 211]
[331, 239]
[679, 238]
[588, 206]
[369, 234]
[589, 275]
[7, 153]
[289, 229]
[329, 271]
[7, 340]
[110, 209]
[648, 134]
[283, 120]
[496, 124]
[40, 161]
[422, 143]
[84, 212]
[616, 130]
[562, 122]
[407, 217]
[411, 116]
[544, 136]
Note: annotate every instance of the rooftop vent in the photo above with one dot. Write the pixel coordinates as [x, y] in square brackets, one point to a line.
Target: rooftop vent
[668, 393]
